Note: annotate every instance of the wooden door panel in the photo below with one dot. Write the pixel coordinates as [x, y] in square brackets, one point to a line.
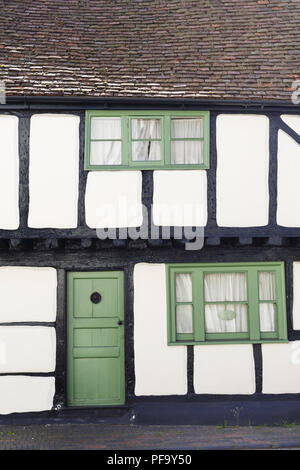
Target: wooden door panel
[95, 339]
[89, 384]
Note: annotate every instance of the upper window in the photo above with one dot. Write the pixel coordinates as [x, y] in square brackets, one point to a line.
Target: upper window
[213, 303]
[146, 139]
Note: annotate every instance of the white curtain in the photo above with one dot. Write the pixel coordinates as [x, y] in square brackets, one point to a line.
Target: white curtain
[184, 318]
[186, 128]
[184, 288]
[106, 128]
[225, 317]
[266, 309]
[146, 151]
[266, 286]
[146, 129]
[106, 152]
[184, 312]
[183, 151]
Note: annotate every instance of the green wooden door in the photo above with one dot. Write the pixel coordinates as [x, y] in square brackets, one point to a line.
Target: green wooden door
[95, 373]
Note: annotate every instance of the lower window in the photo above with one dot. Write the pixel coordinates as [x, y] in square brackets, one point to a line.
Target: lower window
[226, 303]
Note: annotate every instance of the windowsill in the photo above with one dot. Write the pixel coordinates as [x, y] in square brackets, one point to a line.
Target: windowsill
[231, 341]
[144, 167]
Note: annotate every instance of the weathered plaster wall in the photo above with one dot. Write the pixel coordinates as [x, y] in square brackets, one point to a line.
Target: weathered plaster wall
[27, 294]
[9, 173]
[224, 369]
[53, 171]
[27, 338]
[180, 198]
[296, 296]
[27, 349]
[242, 170]
[159, 368]
[288, 207]
[114, 199]
[21, 394]
[281, 368]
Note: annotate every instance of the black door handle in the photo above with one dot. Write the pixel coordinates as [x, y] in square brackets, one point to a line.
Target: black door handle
[120, 322]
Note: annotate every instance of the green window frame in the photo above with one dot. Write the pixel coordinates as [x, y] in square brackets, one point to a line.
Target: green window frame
[166, 139]
[252, 302]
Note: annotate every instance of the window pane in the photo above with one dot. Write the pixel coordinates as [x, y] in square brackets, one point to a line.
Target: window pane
[267, 317]
[146, 128]
[106, 153]
[266, 286]
[225, 286]
[146, 151]
[106, 128]
[184, 319]
[184, 288]
[186, 128]
[186, 152]
[226, 318]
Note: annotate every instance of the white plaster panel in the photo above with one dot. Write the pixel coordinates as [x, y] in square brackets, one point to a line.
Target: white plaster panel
[293, 121]
[9, 173]
[242, 170]
[114, 199]
[296, 296]
[180, 198]
[224, 369]
[20, 394]
[159, 369]
[27, 349]
[27, 294]
[288, 191]
[281, 367]
[53, 171]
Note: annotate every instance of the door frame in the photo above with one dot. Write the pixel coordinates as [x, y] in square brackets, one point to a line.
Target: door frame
[69, 288]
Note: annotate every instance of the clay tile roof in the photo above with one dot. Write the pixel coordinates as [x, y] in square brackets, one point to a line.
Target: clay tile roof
[219, 49]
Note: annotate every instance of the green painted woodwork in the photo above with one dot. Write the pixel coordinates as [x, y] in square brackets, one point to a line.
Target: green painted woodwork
[253, 335]
[95, 340]
[165, 162]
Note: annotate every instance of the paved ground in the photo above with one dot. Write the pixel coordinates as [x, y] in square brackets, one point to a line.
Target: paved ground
[134, 437]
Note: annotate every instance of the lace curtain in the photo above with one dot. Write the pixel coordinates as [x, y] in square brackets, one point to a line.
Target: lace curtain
[225, 302]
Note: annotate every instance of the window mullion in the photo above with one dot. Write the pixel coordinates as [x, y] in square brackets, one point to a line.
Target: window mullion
[172, 312]
[198, 301]
[125, 140]
[166, 136]
[253, 305]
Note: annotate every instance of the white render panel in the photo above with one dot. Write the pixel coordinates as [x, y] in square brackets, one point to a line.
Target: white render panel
[224, 370]
[114, 199]
[53, 171]
[296, 296]
[27, 294]
[27, 349]
[21, 394]
[293, 121]
[288, 199]
[180, 198]
[281, 367]
[242, 170]
[9, 173]
[159, 369]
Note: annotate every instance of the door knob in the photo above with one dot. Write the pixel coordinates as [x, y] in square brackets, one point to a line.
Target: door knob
[95, 297]
[120, 322]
